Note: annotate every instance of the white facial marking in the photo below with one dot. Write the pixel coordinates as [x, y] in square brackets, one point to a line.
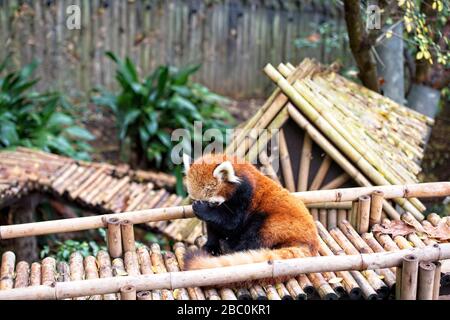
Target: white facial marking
[224, 171]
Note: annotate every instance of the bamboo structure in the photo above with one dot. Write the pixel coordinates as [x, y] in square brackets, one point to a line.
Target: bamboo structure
[128, 293]
[409, 273]
[220, 276]
[425, 284]
[434, 189]
[363, 214]
[127, 232]
[114, 237]
[376, 207]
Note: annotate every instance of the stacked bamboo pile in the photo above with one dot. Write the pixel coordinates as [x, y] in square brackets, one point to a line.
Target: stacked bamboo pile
[132, 261]
[347, 136]
[99, 187]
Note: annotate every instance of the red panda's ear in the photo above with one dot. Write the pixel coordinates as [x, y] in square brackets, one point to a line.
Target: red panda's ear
[225, 172]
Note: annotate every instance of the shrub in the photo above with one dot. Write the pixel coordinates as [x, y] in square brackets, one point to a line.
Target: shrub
[148, 110]
[38, 120]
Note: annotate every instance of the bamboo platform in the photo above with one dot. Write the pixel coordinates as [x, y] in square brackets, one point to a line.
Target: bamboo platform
[98, 187]
[333, 133]
[339, 241]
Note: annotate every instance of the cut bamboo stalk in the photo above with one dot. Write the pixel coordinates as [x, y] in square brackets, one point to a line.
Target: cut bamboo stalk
[351, 286]
[341, 215]
[257, 293]
[398, 285]
[295, 290]
[48, 271]
[306, 285]
[128, 293]
[114, 237]
[354, 213]
[194, 293]
[144, 295]
[127, 232]
[285, 162]
[376, 207]
[7, 270]
[437, 280]
[315, 213]
[226, 294]
[76, 271]
[436, 189]
[434, 219]
[159, 268]
[410, 268]
[336, 182]
[322, 287]
[323, 216]
[172, 266]
[271, 292]
[91, 272]
[243, 294]
[35, 274]
[22, 275]
[321, 173]
[332, 219]
[305, 162]
[283, 292]
[131, 263]
[363, 214]
[425, 284]
[376, 283]
[105, 271]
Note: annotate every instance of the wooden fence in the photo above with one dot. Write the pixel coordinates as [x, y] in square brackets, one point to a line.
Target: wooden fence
[232, 39]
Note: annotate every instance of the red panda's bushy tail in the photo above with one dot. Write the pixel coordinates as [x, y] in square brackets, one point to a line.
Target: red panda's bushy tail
[201, 260]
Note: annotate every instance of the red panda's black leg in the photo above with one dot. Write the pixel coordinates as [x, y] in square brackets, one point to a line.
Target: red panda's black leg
[212, 245]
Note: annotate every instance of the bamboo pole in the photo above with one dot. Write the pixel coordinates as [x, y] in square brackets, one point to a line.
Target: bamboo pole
[337, 156]
[322, 287]
[114, 237]
[321, 173]
[437, 280]
[341, 215]
[127, 231]
[22, 275]
[285, 162]
[306, 285]
[425, 285]
[376, 206]
[7, 270]
[334, 130]
[330, 205]
[305, 162]
[105, 270]
[219, 276]
[144, 295]
[323, 216]
[295, 290]
[410, 268]
[336, 182]
[35, 274]
[315, 213]
[354, 214]
[332, 219]
[363, 214]
[128, 292]
[433, 189]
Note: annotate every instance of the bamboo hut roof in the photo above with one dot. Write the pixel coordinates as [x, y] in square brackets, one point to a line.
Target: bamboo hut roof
[334, 133]
[100, 187]
[343, 240]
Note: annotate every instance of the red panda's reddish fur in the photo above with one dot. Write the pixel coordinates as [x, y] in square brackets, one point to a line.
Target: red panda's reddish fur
[288, 231]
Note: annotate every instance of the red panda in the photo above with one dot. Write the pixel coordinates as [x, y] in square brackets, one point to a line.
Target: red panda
[249, 217]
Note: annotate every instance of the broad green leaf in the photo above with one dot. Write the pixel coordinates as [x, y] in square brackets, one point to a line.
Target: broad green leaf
[81, 133]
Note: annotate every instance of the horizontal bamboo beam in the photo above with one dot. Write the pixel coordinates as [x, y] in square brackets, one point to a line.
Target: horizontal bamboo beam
[225, 275]
[432, 189]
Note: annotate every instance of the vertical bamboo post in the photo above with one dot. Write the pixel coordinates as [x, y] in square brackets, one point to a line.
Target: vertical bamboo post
[437, 280]
[321, 173]
[286, 163]
[410, 268]
[127, 231]
[341, 215]
[144, 295]
[314, 213]
[376, 207]
[332, 219]
[398, 282]
[426, 281]
[128, 293]
[363, 214]
[305, 162]
[114, 237]
[354, 213]
[323, 216]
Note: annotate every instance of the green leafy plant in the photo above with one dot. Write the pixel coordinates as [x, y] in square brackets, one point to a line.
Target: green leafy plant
[38, 120]
[148, 109]
[63, 250]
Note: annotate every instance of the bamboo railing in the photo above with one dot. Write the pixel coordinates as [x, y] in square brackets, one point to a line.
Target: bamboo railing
[225, 275]
[434, 189]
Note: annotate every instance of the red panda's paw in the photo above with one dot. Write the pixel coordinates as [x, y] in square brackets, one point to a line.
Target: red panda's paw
[201, 209]
[212, 249]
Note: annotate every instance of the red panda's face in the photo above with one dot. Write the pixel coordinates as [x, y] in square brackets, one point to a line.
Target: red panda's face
[211, 178]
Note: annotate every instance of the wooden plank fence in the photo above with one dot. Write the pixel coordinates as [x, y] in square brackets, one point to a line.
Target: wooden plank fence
[232, 39]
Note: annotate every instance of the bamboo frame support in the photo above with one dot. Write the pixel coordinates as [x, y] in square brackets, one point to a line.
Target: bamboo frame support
[219, 276]
[432, 189]
[363, 214]
[332, 219]
[114, 237]
[410, 269]
[354, 214]
[128, 292]
[127, 231]
[336, 182]
[425, 284]
[376, 207]
[321, 173]
[305, 163]
[437, 280]
[286, 165]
